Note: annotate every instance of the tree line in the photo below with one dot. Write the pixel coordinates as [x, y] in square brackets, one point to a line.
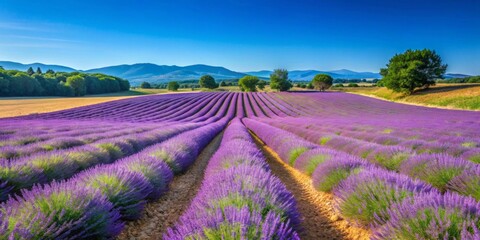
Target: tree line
[51, 83]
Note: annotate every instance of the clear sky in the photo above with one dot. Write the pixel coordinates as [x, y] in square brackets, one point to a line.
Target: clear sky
[246, 35]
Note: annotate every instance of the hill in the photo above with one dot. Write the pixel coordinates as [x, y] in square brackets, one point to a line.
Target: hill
[139, 72]
[23, 67]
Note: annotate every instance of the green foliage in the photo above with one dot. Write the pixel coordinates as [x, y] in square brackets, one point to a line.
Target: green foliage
[173, 86]
[223, 84]
[261, 84]
[248, 83]
[310, 86]
[207, 81]
[295, 153]
[77, 83]
[18, 83]
[472, 79]
[30, 71]
[368, 203]
[352, 85]
[39, 71]
[279, 80]
[145, 85]
[333, 178]
[338, 85]
[322, 82]
[413, 69]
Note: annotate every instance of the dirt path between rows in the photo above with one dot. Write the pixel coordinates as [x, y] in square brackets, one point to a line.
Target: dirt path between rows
[316, 208]
[162, 214]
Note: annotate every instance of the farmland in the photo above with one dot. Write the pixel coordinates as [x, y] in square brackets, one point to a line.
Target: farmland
[453, 96]
[210, 165]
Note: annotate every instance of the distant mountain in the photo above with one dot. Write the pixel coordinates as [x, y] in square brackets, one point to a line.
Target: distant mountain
[137, 73]
[24, 67]
[307, 75]
[455, 75]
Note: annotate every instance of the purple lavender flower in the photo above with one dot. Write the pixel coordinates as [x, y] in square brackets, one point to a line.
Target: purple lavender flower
[156, 172]
[234, 223]
[331, 172]
[364, 197]
[467, 183]
[127, 190]
[59, 211]
[436, 169]
[432, 216]
[389, 157]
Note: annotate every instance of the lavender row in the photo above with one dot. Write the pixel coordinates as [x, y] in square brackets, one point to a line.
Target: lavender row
[56, 165]
[239, 197]
[370, 196]
[94, 203]
[388, 143]
[60, 143]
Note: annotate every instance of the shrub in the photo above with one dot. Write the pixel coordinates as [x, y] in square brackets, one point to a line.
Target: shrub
[436, 169]
[330, 173]
[173, 86]
[353, 85]
[248, 83]
[364, 197]
[59, 211]
[322, 82]
[125, 189]
[235, 223]
[156, 172]
[433, 216]
[54, 165]
[207, 81]
[467, 183]
[389, 157]
[145, 85]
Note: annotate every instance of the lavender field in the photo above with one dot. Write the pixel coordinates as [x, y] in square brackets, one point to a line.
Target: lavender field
[390, 170]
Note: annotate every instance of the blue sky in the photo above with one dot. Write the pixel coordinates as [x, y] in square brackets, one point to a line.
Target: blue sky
[241, 35]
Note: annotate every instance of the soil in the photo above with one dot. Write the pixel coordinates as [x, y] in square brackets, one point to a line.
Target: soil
[316, 208]
[162, 214]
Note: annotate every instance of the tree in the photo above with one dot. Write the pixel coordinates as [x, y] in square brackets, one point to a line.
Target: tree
[279, 80]
[39, 71]
[50, 71]
[248, 83]
[223, 84]
[145, 85]
[261, 84]
[77, 83]
[173, 86]
[413, 69]
[30, 71]
[207, 81]
[322, 81]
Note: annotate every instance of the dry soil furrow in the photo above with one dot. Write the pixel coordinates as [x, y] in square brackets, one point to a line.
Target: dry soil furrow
[162, 214]
[316, 208]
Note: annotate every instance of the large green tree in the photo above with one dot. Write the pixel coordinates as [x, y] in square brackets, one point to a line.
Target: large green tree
[322, 81]
[145, 85]
[248, 83]
[207, 81]
[77, 83]
[173, 86]
[279, 80]
[413, 69]
[261, 84]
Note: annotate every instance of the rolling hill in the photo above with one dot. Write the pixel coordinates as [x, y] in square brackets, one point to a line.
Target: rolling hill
[137, 73]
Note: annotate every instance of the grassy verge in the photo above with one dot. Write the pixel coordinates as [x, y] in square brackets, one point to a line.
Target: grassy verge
[454, 96]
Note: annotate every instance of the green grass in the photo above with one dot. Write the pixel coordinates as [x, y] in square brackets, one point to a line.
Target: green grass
[457, 96]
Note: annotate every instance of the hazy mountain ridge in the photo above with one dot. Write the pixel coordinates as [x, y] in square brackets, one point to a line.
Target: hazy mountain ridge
[137, 73]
